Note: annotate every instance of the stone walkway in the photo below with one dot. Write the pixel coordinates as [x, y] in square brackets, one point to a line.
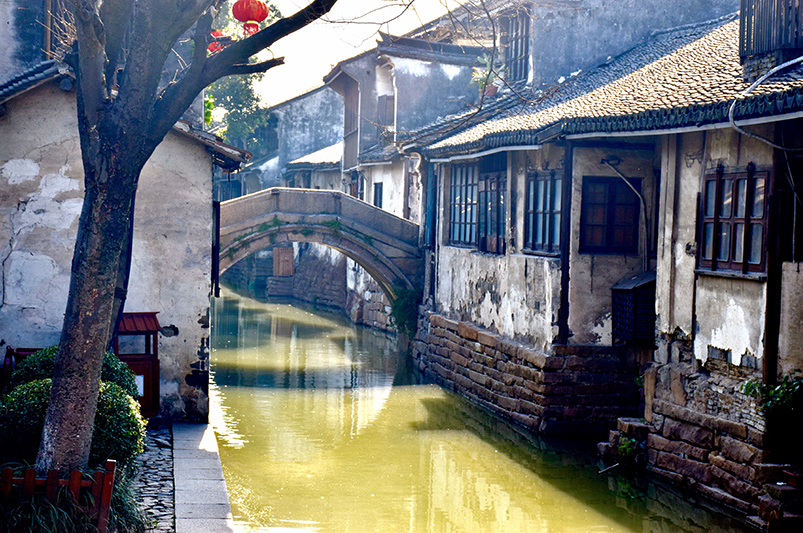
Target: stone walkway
[181, 483]
[154, 480]
[202, 501]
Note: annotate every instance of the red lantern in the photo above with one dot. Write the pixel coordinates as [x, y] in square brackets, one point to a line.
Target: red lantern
[250, 13]
[216, 46]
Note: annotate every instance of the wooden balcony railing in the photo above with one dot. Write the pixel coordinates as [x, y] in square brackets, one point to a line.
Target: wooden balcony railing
[770, 26]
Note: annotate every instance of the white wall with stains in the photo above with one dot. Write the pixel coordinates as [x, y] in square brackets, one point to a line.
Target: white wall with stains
[593, 275]
[516, 295]
[41, 191]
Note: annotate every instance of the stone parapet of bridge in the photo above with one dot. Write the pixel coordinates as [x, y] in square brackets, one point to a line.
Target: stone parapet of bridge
[385, 245]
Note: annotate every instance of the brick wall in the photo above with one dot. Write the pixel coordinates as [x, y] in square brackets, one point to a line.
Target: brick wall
[571, 390]
[369, 307]
[706, 434]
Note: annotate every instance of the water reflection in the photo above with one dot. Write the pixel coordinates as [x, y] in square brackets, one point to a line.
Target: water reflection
[322, 428]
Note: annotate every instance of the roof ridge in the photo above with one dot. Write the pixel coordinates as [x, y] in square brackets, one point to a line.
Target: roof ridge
[695, 25]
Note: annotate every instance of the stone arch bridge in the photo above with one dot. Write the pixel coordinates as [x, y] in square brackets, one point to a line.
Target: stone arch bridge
[382, 243]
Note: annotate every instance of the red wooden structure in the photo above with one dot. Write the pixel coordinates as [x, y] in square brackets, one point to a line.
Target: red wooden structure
[99, 487]
[144, 365]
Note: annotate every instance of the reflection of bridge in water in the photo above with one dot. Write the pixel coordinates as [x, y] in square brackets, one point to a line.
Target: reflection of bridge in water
[382, 243]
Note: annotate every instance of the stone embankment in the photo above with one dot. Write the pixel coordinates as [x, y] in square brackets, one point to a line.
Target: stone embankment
[570, 390]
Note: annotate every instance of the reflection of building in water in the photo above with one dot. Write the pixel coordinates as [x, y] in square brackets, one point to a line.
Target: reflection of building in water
[474, 499]
[314, 382]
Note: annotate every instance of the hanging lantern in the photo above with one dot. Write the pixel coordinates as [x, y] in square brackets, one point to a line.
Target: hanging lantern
[216, 46]
[250, 13]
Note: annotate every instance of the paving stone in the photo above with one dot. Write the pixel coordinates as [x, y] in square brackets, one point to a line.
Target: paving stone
[154, 481]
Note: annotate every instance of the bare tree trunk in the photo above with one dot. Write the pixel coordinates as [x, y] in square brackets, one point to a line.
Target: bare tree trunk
[122, 118]
[102, 236]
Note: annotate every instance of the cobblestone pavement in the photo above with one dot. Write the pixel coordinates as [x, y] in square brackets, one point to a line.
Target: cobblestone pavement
[154, 480]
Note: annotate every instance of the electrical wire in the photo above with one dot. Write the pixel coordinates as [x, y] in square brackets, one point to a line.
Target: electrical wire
[750, 89]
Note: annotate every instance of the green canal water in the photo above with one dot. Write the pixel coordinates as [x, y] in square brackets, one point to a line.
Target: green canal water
[322, 427]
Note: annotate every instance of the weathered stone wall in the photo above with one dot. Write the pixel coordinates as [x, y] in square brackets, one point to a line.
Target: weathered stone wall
[320, 276]
[705, 433]
[366, 302]
[568, 390]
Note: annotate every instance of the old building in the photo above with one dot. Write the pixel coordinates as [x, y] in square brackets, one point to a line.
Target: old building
[623, 184]
[41, 179]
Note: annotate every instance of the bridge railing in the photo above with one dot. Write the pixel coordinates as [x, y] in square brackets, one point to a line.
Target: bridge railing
[316, 202]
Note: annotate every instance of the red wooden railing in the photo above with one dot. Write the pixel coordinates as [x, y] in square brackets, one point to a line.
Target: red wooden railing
[770, 26]
[99, 487]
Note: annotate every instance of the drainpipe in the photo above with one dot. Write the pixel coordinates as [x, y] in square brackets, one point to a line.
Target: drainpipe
[611, 162]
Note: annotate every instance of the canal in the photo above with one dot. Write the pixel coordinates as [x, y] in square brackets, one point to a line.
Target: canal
[323, 427]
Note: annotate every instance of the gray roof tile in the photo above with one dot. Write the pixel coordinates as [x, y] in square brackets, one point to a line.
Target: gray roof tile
[681, 77]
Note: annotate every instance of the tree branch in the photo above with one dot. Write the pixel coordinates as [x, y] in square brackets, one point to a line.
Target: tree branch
[91, 58]
[218, 64]
[179, 95]
[116, 16]
[255, 68]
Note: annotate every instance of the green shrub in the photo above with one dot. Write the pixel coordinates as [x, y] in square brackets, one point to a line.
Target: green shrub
[119, 431]
[39, 365]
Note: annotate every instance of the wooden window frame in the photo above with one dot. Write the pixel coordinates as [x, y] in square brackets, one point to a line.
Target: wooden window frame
[378, 194]
[723, 214]
[613, 186]
[491, 227]
[516, 44]
[542, 211]
[463, 204]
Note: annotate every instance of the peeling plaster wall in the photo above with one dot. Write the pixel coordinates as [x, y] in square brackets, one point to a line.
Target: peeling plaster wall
[21, 36]
[306, 124]
[730, 317]
[791, 355]
[327, 180]
[517, 296]
[41, 193]
[681, 168]
[593, 275]
[719, 323]
[392, 179]
[41, 190]
[171, 267]
[8, 41]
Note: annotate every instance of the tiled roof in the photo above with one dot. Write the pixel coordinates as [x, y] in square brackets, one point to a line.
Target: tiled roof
[324, 159]
[31, 78]
[446, 126]
[683, 77]
[136, 323]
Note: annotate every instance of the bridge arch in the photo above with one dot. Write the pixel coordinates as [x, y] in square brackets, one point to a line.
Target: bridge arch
[385, 245]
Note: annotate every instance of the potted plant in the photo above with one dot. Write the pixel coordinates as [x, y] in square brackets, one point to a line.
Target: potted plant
[782, 406]
[489, 75]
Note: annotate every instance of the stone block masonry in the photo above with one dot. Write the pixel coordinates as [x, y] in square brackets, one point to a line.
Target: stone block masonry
[568, 390]
[706, 434]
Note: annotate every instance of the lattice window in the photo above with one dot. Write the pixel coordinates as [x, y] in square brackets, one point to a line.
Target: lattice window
[516, 44]
[609, 217]
[734, 221]
[542, 212]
